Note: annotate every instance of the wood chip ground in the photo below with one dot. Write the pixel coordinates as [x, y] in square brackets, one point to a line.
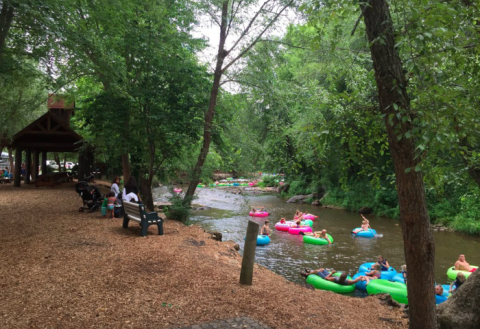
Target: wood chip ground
[65, 269]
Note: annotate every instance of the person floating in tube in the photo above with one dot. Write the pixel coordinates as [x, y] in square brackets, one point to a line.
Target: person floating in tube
[266, 229]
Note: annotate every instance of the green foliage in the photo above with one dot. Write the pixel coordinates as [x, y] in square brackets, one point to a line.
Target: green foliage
[269, 181]
[180, 208]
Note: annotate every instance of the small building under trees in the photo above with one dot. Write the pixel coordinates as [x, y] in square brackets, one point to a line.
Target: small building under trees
[49, 133]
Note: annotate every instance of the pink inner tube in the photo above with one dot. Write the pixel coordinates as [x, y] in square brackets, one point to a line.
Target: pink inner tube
[284, 227]
[296, 230]
[177, 190]
[251, 184]
[310, 216]
[259, 214]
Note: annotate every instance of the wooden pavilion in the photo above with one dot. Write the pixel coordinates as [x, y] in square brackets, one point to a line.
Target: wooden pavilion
[49, 133]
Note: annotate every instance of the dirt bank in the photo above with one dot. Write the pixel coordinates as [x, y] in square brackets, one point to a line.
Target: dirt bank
[65, 269]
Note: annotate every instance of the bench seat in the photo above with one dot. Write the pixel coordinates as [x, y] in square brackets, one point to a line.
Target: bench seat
[136, 212]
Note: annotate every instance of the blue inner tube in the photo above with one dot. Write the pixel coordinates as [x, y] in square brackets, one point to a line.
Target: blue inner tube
[371, 233]
[362, 285]
[398, 278]
[440, 299]
[263, 240]
[387, 275]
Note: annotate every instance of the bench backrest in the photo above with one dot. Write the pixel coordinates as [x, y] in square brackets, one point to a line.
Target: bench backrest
[134, 210]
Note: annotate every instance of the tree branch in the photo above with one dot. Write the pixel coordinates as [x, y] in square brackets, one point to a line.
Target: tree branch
[358, 21]
[233, 15]
[243, 52]
[247, 29]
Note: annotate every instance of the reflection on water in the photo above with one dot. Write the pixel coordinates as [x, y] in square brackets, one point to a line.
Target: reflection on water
[288, 255]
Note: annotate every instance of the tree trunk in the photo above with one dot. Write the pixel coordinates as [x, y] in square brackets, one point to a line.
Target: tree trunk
[126, 167]
[419, 246]
[146, 189]
[56, 157]
[6, 18]
[10, 159]
[207, 128]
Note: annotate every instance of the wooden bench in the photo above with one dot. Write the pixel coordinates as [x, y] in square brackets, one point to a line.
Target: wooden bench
[52, 179]
[136, 212]
[5, 180]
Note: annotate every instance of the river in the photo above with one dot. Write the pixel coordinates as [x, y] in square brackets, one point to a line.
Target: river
[287, 255]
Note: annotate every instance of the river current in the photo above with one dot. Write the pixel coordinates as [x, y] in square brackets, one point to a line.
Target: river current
[287, 255]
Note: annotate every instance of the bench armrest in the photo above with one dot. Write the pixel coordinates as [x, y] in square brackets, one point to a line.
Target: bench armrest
[152, 215]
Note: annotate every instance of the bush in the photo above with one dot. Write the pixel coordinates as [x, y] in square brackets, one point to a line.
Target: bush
[269, 181]
[468, 219]
[155, 181]
[298, 187]
[180, 209]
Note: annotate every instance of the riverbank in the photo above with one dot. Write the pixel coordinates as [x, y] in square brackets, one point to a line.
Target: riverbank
[61, 268]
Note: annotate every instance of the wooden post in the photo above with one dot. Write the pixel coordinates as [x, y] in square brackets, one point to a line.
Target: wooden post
[44, 162]
[28, 166]
[248, 260]
[36, 163]
[18, 167]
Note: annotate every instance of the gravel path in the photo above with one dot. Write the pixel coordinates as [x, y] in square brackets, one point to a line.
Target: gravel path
[65, 269]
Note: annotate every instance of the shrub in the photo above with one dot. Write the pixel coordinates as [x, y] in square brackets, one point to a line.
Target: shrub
[269, 181]
[180, 209]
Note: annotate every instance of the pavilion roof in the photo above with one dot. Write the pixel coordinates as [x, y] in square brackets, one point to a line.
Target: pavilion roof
[48, 133]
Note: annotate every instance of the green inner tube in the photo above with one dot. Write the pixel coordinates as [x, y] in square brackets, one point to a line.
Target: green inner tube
[452, 274]
[397, 290]
[319, 241]
[323, 284]
[307, 222]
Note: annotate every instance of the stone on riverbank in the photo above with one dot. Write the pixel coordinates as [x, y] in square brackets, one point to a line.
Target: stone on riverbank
[461, 310]
[299, 198]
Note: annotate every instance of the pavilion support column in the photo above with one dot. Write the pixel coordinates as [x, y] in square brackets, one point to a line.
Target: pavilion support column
[28, 166]
[91, 162]
[36, 163]
[44, 162]
[18, 167]
[81, 170]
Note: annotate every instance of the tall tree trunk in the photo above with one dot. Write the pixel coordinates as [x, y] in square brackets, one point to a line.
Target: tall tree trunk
[6, 18]
[394, 102]
[10, 159]
[56, 157]
[207, 128]
[146, 189]
[126, 167]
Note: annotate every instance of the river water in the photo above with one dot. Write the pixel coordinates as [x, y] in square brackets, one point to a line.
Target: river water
[287, 255]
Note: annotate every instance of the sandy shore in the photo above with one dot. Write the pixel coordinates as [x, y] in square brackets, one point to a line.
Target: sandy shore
[65, 269]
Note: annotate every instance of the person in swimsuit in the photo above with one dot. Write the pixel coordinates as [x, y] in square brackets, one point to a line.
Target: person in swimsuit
[457, 283]
[439, 296]
[384, 266]
[404, 273]
[321, 235]
[259, 209]
[326, 275]
[342, 279]
[375, 273]
[462, 265]
[111, 204]
[265, 229]
[283, 220]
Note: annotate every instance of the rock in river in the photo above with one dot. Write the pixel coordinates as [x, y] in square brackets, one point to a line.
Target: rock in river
[461, 309]
[299, 198]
